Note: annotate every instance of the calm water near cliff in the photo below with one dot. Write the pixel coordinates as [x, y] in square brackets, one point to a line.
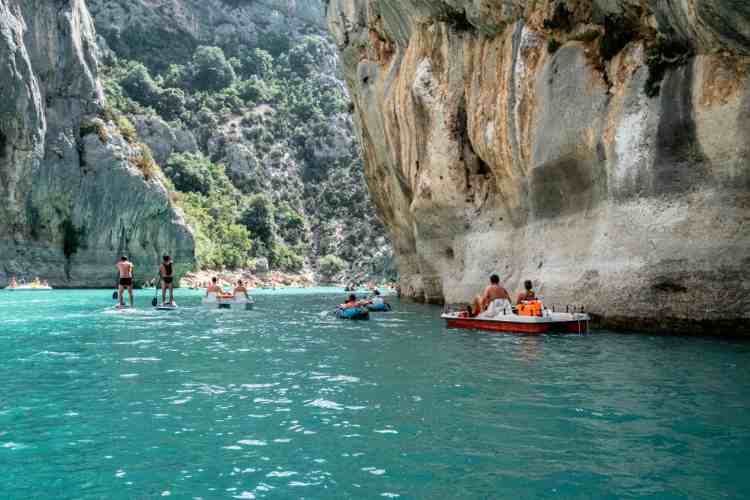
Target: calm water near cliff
[284, 402]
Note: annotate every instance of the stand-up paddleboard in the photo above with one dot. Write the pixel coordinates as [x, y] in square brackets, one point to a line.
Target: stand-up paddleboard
[122, 309]
[166, 307]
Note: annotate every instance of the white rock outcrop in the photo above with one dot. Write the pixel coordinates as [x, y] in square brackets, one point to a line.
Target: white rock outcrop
[598, 148]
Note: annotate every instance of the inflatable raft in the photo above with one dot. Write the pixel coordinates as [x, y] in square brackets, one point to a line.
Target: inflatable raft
[382, 307]
[353, 313]
[214, 302]
[548, 322]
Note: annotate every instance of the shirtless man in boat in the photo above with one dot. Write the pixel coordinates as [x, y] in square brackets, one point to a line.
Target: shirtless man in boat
[125, 268]
[493, 292]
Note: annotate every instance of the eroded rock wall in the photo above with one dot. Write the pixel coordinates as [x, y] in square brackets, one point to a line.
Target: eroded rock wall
[73, 196]
[599, 148]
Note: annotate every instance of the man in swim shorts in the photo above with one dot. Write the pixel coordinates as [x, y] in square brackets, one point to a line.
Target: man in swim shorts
[167, 280]
[125, 268]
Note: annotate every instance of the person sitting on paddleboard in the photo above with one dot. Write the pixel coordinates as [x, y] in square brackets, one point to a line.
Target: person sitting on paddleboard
[167, 280]
[527, 294]
[125, 270]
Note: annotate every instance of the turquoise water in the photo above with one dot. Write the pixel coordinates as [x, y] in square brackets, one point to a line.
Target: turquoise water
[285, 402]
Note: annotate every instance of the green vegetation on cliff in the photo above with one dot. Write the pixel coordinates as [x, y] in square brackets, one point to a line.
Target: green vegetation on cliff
[274, 171]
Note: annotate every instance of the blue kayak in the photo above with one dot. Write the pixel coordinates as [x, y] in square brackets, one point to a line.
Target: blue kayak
[384, 307]
[353, 313]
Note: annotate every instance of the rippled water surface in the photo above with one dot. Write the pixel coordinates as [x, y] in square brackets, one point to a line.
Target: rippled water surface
[286, 402]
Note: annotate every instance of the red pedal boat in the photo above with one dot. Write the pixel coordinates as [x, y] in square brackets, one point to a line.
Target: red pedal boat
[549, 322]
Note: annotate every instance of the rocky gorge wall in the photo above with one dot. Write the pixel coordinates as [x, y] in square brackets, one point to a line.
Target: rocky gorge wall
[280, 127]
[75, 193]
[599, 148]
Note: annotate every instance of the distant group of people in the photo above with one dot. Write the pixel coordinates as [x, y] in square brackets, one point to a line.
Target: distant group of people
[215, 289]
[126, 270]
[35, 283]
[352, 301]
[496, 298]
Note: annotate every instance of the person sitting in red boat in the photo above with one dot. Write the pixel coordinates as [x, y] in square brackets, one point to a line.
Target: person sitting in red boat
[527, 303]
[527, 294]
[494, 299]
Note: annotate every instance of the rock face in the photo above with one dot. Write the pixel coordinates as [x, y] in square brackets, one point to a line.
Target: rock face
[73, 196]
[599, 148]
[282, 128]
[135, 28]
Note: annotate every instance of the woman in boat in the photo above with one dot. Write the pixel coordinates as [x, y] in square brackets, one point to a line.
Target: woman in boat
[527, 294]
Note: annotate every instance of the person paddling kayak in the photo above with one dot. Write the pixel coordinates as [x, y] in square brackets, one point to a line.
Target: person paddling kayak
[167, 280]
[125, 270]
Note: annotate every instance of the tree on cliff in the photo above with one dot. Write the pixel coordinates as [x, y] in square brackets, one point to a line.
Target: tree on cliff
[194, 173]
[258, 217]
[330, 266]
[140, 86]
[211, 70]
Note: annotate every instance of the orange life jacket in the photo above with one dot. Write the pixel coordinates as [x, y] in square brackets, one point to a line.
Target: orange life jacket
[530, 308]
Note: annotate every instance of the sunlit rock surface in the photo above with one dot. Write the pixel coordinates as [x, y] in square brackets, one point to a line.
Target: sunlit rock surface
[611, 170]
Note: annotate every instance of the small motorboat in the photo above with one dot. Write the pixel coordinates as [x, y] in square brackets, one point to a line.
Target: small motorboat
[353, 313]
[381, 307]
[548, 322]
[228, 302]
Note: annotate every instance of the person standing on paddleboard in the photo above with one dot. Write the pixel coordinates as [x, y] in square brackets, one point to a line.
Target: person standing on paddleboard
[125, 268]
[167, 280]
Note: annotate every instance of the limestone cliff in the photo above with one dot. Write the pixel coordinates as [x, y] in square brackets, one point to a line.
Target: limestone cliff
[74, 192]
[597, 147]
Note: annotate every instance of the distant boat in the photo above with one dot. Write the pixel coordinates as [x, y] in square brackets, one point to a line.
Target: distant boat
[357, 313]
[228, 302]
[28, 288]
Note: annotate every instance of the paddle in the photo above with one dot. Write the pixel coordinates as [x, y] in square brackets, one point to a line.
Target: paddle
[155, 301]
[116, 293]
